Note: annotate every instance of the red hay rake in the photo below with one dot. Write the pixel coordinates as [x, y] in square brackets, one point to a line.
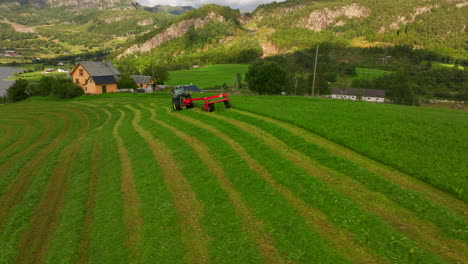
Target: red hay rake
[209, 105]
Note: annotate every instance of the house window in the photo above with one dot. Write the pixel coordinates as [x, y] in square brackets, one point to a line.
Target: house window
[368, 98]
[77, 81]
[81, 72]
[86, 89]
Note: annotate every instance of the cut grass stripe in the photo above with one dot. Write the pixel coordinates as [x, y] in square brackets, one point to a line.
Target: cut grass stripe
[161, 237]
[63, 247]
[293, 236]
[19, 218]
[190, 208]
[14, 130]
[35, 241]
[339, 238]
[251, 224]
[422, 232]
[448, 223]
[365, 227]
[15, 191]
[26, 144]
[23, 138]
[107, 230]
[393, 175]
[71, 239]
[131, 199]
[83, 246]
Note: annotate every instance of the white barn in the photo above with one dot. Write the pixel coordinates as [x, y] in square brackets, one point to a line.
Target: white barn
[368, 95]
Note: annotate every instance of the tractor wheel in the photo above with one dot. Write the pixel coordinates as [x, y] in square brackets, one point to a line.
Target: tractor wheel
[211, 108]
[176, 104]
[191, 103]
[227, 104]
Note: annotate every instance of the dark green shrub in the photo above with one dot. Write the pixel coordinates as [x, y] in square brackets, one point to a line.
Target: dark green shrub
[19, 91]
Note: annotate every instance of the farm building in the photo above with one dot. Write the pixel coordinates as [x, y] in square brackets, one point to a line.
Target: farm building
[96, 77]
[368, 95]
[144, 82]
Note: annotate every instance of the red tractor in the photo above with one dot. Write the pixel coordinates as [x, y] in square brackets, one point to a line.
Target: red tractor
[181, 98]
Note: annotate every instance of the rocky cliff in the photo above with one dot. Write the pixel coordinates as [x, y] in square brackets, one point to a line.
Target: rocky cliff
[174, 31]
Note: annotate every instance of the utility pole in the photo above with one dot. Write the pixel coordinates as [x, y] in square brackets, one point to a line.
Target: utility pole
[315, 69]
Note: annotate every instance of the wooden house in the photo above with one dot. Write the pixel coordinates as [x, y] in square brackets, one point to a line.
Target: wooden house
[96, 77]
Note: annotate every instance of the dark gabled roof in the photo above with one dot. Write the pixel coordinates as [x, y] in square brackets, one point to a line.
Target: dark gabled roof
[363, 92]
[99, 68]
[141, 79]
[108, 79]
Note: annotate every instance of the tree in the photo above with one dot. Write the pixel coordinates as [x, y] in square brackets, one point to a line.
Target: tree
[401, 89]
[266, 77]
[126, 82]
[159, 73]
[20, 90]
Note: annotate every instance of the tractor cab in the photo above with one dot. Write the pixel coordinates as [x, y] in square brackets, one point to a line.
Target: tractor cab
[180, 91]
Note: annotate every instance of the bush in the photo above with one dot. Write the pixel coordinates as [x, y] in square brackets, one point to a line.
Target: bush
[126, 82]
[19, 91]
[266, 77]
[64, 88]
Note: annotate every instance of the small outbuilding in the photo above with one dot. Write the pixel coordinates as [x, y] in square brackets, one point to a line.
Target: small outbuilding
[368, 95]
[144, 82]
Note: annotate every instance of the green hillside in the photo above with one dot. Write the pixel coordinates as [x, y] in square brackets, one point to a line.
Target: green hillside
[121, 178]
[52, 32]
[209, 76]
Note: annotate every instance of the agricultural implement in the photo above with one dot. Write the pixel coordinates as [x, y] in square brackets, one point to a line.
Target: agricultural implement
[182, 98]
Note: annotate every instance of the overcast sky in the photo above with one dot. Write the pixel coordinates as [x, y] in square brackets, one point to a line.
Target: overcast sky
[241, 4]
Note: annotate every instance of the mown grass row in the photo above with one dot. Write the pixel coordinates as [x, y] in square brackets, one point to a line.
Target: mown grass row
[429, 144]
[29, 184]
[366, 227]
[448, 222]
[251, 198]
[276, 214]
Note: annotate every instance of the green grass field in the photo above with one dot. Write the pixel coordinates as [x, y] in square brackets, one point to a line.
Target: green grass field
[36, 75]
[369, 73]
[209, 76]
[121, 178]
[440, 65]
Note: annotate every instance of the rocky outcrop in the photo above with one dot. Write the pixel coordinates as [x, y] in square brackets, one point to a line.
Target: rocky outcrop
[278, 13]
[402, 20]
[174, 31]
[18, 27]
[460, 5]
[116, 19]
[145, 22]
[320, 20]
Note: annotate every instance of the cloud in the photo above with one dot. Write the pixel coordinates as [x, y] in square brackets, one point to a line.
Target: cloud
[240, 4]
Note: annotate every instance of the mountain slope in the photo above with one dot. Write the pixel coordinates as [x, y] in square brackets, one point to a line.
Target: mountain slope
[80, 4]
[436, 25]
